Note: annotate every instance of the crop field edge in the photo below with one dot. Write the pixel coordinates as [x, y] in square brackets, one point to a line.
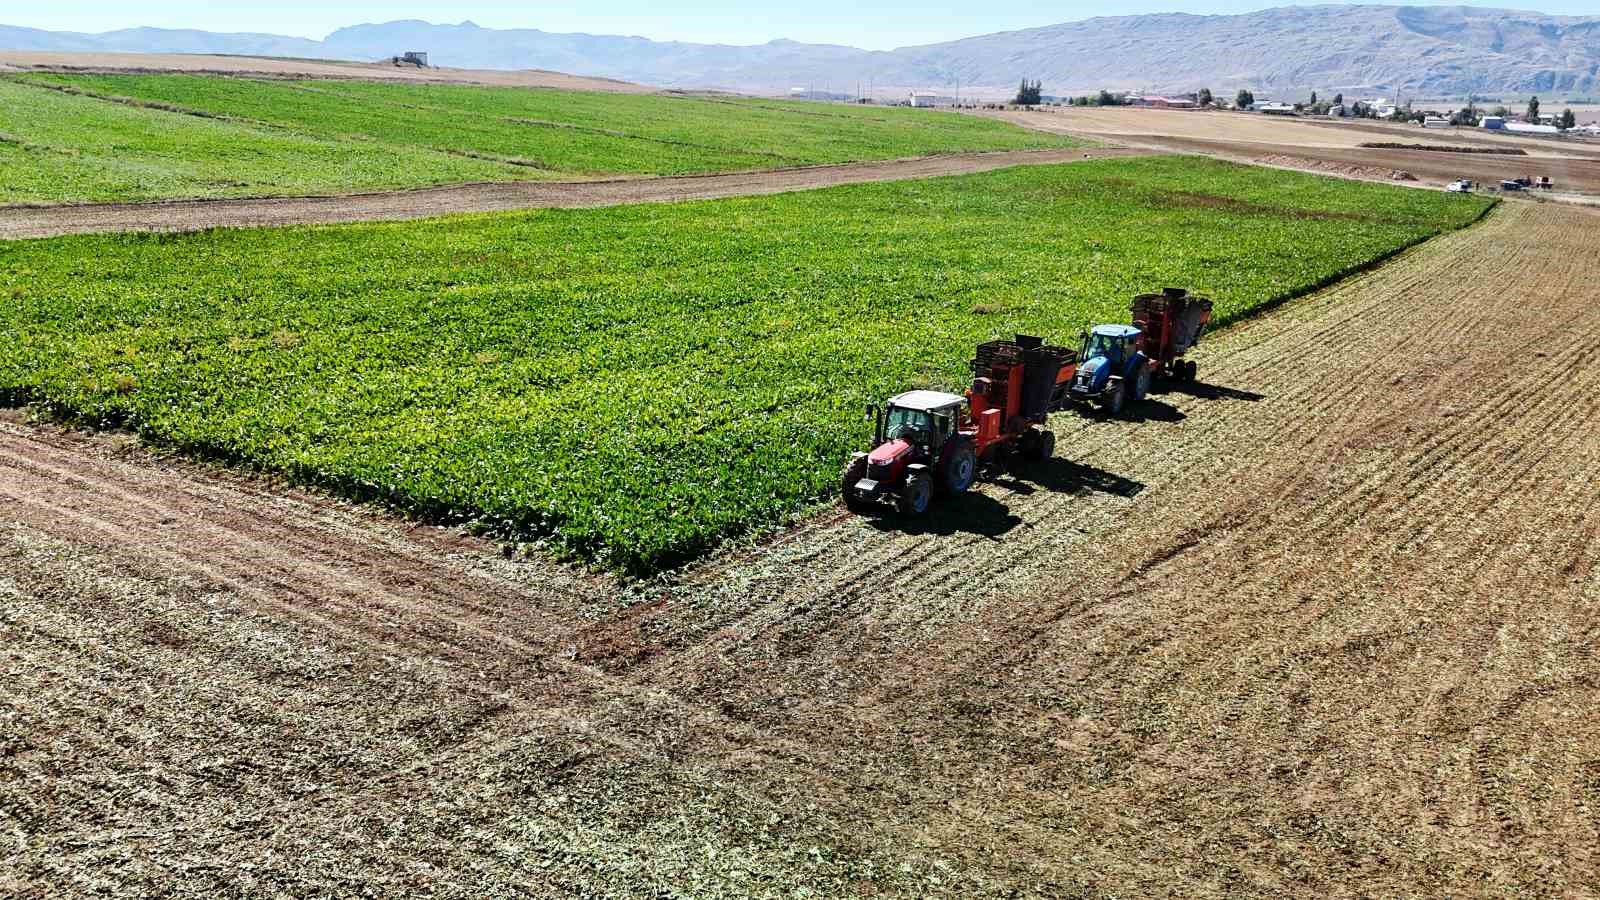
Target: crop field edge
[1228, 319]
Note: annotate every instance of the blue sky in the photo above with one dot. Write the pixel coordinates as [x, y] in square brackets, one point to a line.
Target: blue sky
[882, 24]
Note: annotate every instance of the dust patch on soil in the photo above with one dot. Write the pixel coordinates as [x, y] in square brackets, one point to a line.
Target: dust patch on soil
[1198, 200]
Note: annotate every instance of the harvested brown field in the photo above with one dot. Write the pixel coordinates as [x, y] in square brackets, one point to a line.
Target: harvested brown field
[195, 215]
[1217, 125]
[275, 67]
[1330, 147]
[1321, 625]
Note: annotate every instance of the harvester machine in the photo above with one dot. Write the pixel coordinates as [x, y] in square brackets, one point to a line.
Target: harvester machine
[929, 443]
[1118, 363]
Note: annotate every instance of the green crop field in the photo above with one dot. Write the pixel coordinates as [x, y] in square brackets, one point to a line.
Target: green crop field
[70, 138]
[635, 384]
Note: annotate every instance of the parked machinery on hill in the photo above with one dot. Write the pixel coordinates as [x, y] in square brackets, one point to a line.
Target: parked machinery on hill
[1118, 363]
[930, 442]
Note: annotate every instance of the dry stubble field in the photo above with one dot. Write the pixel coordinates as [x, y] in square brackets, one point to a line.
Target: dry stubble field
[1324, 626]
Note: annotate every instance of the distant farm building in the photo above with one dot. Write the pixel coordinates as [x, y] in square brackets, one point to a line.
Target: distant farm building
[1157, 102]
[1275, 109]
[1524, 128]
[418, 58]
[923, 99]
[1435, 122]
[1493, 123]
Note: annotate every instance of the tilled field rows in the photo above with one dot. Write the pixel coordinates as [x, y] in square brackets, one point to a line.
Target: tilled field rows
[1322, 626]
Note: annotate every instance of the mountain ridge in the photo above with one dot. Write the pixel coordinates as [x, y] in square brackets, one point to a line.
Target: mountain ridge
[1432, 50]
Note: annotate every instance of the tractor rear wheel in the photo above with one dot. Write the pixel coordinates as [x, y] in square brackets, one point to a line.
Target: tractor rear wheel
[959, 465]
[1028, 444]
[854, 471]
[1115, 398]
[915, 496]
[1141, 384]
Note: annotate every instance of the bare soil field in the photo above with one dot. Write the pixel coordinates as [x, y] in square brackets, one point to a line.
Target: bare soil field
[1296, 130]
[1328, 147]
[275, 67]
[194, 215]
[1321, 625]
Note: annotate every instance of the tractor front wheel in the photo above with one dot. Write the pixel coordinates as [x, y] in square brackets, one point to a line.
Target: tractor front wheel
[1190, 370]
[1047, 444]
[915, 496]
[854, 471]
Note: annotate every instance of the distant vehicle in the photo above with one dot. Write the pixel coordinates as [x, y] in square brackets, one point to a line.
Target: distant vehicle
[1459, 187]
[1544, 182]
[1510, 185]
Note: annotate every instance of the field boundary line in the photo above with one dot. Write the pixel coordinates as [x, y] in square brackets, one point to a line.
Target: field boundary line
[1336, 278]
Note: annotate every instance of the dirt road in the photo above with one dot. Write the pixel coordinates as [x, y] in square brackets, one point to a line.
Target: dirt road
[194, 215]
[1323, 625]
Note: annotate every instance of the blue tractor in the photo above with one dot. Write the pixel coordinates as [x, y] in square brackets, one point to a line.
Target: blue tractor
[1118, 362]
[1112, 369]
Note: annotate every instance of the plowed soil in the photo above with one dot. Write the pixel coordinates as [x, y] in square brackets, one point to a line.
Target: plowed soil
[195, 215]
[1320, 625]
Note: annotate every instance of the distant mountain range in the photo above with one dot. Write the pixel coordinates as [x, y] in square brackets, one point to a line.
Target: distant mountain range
[1431, 51]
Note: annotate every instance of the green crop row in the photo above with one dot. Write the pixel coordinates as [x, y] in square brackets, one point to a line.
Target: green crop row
[134, 137]
[638, 383]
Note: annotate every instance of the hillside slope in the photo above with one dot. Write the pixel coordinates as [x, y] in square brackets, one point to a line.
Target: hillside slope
[1431, 50]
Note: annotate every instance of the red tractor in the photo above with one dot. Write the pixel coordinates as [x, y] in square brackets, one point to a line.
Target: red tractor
[930, 442]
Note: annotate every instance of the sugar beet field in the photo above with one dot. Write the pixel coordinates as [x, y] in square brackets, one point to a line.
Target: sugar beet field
[83, 138]
[633, 386]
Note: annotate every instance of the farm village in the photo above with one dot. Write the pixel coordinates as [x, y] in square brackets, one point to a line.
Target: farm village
[418, 479]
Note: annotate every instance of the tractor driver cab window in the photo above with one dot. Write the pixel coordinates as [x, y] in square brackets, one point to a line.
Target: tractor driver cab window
[903, 422]
[941, 427]
[1104, 345]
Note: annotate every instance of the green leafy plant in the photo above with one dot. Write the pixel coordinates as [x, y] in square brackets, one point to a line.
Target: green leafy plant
[136, 137]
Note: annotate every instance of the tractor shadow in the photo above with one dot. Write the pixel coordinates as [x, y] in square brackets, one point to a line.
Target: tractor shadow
[1063, 476]
[1205, 391]
[970, 513]
[1147, 410]
[978, 513]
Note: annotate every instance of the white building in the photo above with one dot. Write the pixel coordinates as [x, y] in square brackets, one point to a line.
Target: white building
[1435, 122]
[1493, 123]
[923, 99]
[1524, 128]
